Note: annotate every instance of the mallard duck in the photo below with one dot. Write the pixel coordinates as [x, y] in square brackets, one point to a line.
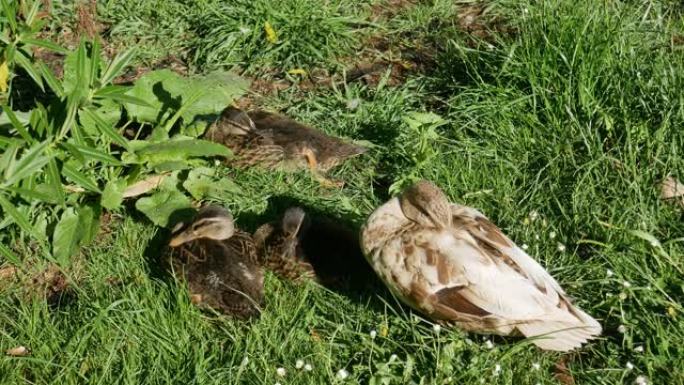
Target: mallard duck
[276, 141]
[280, 249]
[218, 262]
[451, 263]
[301, 246]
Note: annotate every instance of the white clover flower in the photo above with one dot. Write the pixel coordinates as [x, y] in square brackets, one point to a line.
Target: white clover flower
[623, 296]
[561, 247]
[626, 284]
[552, 235]
[536, 366]
[536, 237]
[245, 361]
[437, 328]
[373, 334]
[641, 380]
[299, 364]
[609, 273]
[392, 358]
[639, 349]
[281, 372]
[277, 383]
[489, 344]
[497, 369]
[307, 367]
[533, 215]
[244, 30]
[622, 329]
[629, 365]
[524, 246]
[353, 104]
[342, 374]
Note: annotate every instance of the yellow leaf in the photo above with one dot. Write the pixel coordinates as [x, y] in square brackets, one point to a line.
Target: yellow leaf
[270, 33]
[297, 71]
[671, 311]
[384, 331]
[4, 76]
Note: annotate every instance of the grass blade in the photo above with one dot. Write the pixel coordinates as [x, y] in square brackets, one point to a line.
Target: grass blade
[9, 255]
[46, 44]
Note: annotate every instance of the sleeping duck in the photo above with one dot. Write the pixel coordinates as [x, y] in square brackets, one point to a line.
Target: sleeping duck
[275, 141]
[451, 263]
[219, 263]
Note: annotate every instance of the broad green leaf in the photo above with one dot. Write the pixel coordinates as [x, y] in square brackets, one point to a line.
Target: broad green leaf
[162, 206]
[181, 149]
[201, 184]
[18, 217]
[89, 222]
[66, 236]
[112, 195]
[54, 179]
[73, 174]
[166, 91]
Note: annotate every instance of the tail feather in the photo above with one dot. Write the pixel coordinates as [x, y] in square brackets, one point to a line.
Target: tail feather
[562, 334]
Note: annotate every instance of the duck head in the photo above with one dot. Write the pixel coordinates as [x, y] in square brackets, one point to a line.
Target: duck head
[211, 222]
[425, 204]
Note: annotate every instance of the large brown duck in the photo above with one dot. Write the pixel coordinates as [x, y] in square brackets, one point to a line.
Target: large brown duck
[451, 263]
[219, 263]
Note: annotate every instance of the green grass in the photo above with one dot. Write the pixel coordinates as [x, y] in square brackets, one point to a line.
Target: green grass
[576, 115]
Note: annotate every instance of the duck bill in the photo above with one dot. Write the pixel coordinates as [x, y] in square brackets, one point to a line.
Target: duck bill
[185, 236]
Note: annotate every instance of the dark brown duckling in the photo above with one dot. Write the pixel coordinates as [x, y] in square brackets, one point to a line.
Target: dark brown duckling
[275, 141]
[219, 263]
[301, 246]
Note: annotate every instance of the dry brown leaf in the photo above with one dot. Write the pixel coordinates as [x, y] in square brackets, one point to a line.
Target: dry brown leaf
[672, 190]
[143, 186]
[19, 351]
[562, 373]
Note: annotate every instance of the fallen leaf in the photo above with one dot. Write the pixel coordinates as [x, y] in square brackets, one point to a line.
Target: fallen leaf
[672, 190]
[314, 335]
[143, 186]
[271, 35]
[19, 351]
[4, 76]
[562, 373]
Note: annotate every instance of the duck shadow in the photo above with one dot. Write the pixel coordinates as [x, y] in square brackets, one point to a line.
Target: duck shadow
[331, 245]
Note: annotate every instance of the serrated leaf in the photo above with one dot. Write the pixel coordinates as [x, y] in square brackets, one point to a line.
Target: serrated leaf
[66, 236]
[166, 91]
[180, 149]
[112, 195]
[160, 207]
[201, 183]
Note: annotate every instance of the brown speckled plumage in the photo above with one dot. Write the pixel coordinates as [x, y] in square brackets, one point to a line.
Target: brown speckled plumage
[316, 247]
[222, 274]
[272, 140]
[451, 263]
